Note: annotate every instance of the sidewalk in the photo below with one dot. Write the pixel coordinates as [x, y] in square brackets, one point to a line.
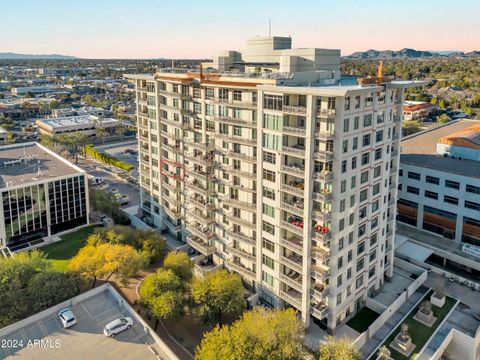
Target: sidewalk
[392, 322]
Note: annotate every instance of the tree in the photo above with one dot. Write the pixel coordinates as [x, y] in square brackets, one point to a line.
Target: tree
[443, 119]
[383, 353]
[259, 334]
[49, 288]
[162, 293]
[410, 127]
[53, 104]
[180, 264]
[104, 203]
[218, 293]
[338, 349]
[104, 260]
[29, 95]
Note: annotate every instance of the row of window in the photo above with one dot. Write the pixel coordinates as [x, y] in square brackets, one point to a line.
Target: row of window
[446, 198]
[436, 181]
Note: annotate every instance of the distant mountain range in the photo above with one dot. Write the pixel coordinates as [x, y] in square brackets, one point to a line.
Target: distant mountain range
[407, 54]
[15, 56]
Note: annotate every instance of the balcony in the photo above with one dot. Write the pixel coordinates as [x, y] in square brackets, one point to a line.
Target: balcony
[294, 109]
[195, 186]
[326, 112]
[236, 103]
[241, 269]
[296, 189]
[326, 134]
[171, 188]
[175, 148]
[173, 228]
[321, 216]
[199, 174]
[319, 310]
[199, 158]
[201, 146]
[240, 236]
[321, 248]
[241, 253]
[200, 245]
[239, 204]
[294, 169]
[296, 150]
[201, 232]
[323, 155]
[320, 271]
[200, 203]
[293, 209]
[231, 170]
[171, 136]
[174, 213]
[322, 236]
[294, 282]
[171, 199]
[292, 244]
[291, 227]
[323, 176]
[319, 290]
[199, 217]
[241, 156]
[293, 262]
[240, 221]
[294, 131]
[293, 297]
[236, 139]
[322, 196]
[235, 121]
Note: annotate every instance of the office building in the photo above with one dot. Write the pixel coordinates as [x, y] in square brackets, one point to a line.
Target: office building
[439, 191]
[87, 124]
[41, 194]
[274, 165]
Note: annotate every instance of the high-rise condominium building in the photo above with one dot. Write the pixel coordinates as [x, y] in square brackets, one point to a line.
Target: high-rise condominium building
[271, 163]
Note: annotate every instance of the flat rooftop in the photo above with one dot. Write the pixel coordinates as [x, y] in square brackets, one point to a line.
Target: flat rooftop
[420, 149]
[75, 120]
[84, 340]
[28, 162]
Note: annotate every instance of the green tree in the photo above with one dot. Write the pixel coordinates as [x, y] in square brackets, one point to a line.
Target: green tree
[410, 127]
[180, 264]
[29, 95]
[104, 203]
[49, 288]
[87, 99]
[443, 119]
[162, 293]
[217, 294]
[53, 104]
[338, 349]
[259, 334]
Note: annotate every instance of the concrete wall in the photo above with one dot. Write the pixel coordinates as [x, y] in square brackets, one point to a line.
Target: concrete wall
[458, 345]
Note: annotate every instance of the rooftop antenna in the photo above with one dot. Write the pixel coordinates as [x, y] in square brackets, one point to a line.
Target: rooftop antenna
[269, 27]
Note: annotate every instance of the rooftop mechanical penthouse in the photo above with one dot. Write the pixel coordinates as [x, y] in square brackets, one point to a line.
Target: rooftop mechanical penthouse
[271, 163]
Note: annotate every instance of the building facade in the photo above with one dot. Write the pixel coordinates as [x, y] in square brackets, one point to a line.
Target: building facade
[289, 180]
[41, 194]
[86, 124]
[439, 185]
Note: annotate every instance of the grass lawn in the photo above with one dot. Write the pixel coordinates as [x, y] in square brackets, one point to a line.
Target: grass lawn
[61, 252]
[420, 333]
[363, 319]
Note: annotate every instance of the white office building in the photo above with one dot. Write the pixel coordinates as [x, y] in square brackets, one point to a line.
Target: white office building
[275, 166]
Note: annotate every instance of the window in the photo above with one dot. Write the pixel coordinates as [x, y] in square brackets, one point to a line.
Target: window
[353, 182]
[360, 264]
[237, 95]
[363, 195]
[450, 200]
[345, 146]
[377, 171]
[344, 166]
[359, 282]
[267, 278]
[268, 261]
[268, 193]
[413, 175]
[339, 280]
[268, 175]
[431, 195]
[356, 122]
[357, 102]
[376, 189]
[347, 103]
[364, 177]
[343, 186]
[367, 120]
[339, 299]
[452, 184]
[365, 158]
[349, 273]
[355, 143]
[378, 154]
[269, 228]
[371, 272]
[369, 99]
[346, 125]
[366, 140]
[340, 244]
[350, 255]
[272, 102]
[340, 262]
[473, 189]
[472, 205]
[267, 244]
[373, 255]
[272, 122]
[268, 210]
[379, 136]
[269, 157]
[354, 163]
[432, 180]
[271, 141]
[413, 190]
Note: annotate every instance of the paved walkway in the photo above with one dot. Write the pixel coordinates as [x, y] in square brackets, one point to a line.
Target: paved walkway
[392, 322]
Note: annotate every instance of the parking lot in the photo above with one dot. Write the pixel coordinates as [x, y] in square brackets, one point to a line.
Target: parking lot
[46, 338]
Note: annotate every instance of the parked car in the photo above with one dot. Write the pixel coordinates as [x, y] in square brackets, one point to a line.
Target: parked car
[117, 326]
[67, 318]
[122, 199]
[98, 181]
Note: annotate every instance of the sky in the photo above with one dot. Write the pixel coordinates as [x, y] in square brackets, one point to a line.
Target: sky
[196, 29]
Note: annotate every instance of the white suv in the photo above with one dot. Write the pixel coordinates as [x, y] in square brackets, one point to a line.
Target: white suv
[117, 326]
[67, 318]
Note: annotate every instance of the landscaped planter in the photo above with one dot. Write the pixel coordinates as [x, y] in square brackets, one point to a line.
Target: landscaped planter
[437, 299]
[425, 319]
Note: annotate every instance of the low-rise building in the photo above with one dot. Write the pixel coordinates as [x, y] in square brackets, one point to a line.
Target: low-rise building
[86, 110]
[439, 189]
[39, 90]
[41, 194]
[417, 110]
[87, 124]
[3, 136]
